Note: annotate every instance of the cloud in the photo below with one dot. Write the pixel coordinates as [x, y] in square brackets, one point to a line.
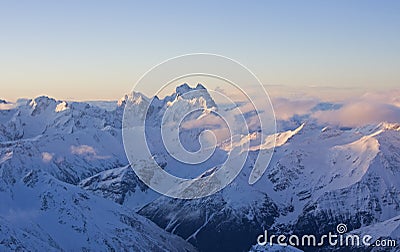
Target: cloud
[359, 113]
[392, 97]
[47, 157]
[211, 122]
[207, 120]
[345, 107]
[7, 106]
[356, 110]
[82, 150]
[88, 151]
[286, 108]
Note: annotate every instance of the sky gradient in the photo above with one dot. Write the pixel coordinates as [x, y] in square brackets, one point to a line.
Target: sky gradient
[97, 50]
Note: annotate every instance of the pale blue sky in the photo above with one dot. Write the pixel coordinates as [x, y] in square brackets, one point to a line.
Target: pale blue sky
[99, 49]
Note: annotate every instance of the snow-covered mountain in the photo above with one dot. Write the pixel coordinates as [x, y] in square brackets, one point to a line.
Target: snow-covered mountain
[47, 147]
[317, 179]
[63, 166]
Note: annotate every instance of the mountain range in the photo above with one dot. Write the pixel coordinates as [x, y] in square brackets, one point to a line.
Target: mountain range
[66, 183]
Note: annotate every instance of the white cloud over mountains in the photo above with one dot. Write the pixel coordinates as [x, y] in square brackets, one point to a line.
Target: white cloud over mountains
[285, 108]
[369, 108]
[359, 113]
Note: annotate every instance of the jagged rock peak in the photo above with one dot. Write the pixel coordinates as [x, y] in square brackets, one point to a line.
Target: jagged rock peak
[184, 88]
[134, 97]
[41, 101]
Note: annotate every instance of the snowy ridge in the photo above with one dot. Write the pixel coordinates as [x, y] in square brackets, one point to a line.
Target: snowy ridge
[120, 185]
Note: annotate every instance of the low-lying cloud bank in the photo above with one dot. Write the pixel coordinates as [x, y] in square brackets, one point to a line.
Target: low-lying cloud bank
[285, 108]
[370, 108]
[359, 113]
